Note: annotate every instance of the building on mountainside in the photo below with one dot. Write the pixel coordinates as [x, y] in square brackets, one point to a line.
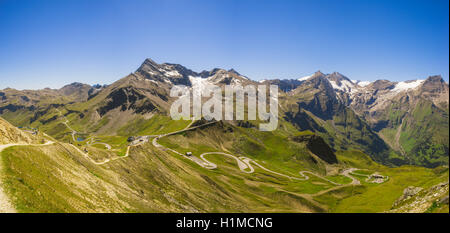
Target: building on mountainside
[376, 178]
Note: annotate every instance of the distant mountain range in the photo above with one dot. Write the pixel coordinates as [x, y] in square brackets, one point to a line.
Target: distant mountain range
[394, 122]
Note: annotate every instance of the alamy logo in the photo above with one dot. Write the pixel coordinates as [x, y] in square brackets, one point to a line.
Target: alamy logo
[221, 104]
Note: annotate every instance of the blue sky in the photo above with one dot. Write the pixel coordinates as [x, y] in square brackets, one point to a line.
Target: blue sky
[52, 43]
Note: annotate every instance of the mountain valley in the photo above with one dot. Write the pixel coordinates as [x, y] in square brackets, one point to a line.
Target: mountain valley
[340, 146]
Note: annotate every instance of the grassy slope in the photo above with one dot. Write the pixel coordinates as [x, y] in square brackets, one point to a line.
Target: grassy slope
[273, 148]
[423, 132]
[56, 178]
[277, 154]
[379, 198]
[425, 135]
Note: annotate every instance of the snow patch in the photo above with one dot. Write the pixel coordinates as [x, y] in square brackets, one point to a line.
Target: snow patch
[305, 78]
[404, 86]
[363, 83]
[345, 86]
[172, 73]
[152, 73]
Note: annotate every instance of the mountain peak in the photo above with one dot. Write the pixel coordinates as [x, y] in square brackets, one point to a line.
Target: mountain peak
[434, 84]
[75, 84]
[435, 78]
[234, 71]
[336, 73]
[206, 74]
[148, 65]
[149, 61]
[166, 73]
[382, 84]
[318, 73]
[338, 77]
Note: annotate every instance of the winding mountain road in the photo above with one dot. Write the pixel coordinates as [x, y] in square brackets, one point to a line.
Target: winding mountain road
[244, 163]
[66, 122]
[90, 141]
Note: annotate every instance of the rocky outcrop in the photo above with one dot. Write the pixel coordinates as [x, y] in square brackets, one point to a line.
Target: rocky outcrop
[11, 134]
[408, 193]
[419, 200]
